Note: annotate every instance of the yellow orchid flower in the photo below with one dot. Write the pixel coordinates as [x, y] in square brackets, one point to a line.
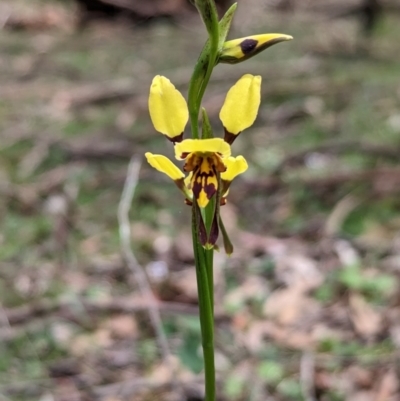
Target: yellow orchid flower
[209, 166]
[205, 160]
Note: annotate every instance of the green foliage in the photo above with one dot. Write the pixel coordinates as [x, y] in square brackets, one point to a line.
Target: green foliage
[148, 351]
[290, 388]
[271, 371]
[20, 233]
[189, 350]
[234, 386]
[375, 287]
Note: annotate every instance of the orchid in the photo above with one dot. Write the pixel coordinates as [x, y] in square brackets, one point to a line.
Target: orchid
[209, 165]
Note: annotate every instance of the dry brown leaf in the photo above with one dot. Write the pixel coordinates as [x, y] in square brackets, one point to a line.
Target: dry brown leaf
[289, 306]
[388, 386]
[184, 282]
[367, 322]
[183, 246]
[298, 271]
[122, 326]
[361, 396]
[254, 288]
[85, 343]
[361, 376]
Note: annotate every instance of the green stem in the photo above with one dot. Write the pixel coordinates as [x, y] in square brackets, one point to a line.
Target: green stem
[205, 308]
[204, 66]
[209, 255]
[196, 82]
[204, 258]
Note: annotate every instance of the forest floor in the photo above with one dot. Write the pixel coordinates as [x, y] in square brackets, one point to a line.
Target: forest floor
[308, 305]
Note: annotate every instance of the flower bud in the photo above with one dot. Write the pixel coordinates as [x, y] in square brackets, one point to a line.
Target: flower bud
[238, 50]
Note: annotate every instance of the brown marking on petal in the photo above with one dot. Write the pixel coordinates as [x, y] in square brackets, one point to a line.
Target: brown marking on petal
[248, 45]
[192, 162]
[175, 139]
[225, 186]
[222, 201]
[204, 180]
[188, 202]
[180, 183]
[219, 164]
[201, 184]
[229, 137]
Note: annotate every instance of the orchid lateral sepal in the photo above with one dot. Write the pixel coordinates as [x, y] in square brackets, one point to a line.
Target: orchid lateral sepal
[164, 165]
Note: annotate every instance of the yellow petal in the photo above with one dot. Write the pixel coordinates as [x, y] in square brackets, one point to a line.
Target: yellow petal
[188, 180]
[164, 165]
[213, 145]
[168, 108]
[234, 167]
[237, 50]
[241, 104]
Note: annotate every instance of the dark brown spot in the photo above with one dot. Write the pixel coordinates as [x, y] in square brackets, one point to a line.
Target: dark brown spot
[248, 45]
[225, 186]
[228, 137]
[175, 139]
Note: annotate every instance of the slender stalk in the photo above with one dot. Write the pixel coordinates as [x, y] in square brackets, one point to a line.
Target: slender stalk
[205, 64]
[205, 308]
[196, 82]
[209, 256]
[204, 257]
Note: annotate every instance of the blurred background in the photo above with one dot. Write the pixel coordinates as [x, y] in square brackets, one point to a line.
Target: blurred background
[307, 308]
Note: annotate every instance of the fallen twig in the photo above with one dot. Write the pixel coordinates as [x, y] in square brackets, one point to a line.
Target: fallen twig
[386, 151]
[307, 367]
[46, 307]
[138, 271]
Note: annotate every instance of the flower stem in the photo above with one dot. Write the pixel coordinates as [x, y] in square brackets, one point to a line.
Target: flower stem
[205, 307]
[205, 64]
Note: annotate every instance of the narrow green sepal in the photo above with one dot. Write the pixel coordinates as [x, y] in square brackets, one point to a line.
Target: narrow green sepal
[227, 242]
[225, 25]
[209, 15]
[238, 50]
[206, 130]
[197, 86]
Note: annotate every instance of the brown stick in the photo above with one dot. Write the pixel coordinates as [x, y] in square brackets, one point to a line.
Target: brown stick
[45, 307]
